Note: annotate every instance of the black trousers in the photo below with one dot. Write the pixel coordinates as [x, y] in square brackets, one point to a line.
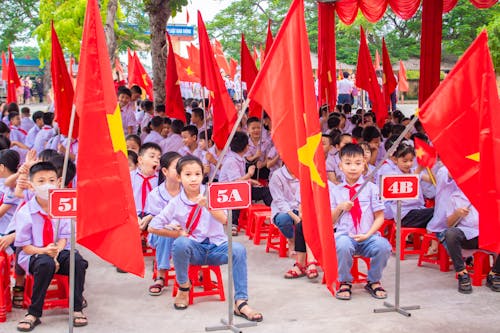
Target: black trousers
[258, 193]
[417, 218]
[42, 267]
[456, 241]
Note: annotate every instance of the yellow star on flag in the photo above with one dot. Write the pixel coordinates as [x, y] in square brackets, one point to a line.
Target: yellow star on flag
[475, 157]
[306, 157]
[189, 71]
[116, 131]
[330, 77]
[144, 76]
[419, 152]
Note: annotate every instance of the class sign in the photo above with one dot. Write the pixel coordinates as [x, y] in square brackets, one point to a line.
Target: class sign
[62, 203]
[231, 195]
[399, 187]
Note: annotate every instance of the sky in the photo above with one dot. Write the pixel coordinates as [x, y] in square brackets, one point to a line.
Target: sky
[208, 8]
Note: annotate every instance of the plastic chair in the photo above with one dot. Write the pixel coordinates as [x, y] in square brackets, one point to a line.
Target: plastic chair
[261, 228]
[208, 286]
[408, 248]
[245, 218]
[440, 258]
[5, 296]
[57, 294]
[276, 241]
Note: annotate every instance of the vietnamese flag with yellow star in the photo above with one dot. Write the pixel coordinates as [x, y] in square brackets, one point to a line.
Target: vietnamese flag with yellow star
[13, 81]
[185, 70]
[461, 119]
[296, 131]
[5, 70]
[174, 106]
[249, 72]
[140, 77]
[106, 214]
[62, 86]
[389, 83]
[425, 153]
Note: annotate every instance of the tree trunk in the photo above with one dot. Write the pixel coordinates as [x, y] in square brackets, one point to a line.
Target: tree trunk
[109, 30]
[159, 13]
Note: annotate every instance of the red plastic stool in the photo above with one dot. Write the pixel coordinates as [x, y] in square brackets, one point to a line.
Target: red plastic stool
[276, 241]
[407, 249]
[429, 203]
[386, 229]
[170, 275]
[357, 275]
[147, 251]
[5, 297]
[261, 228]
[57, 294]
[440, 258]
[208, 286]
[481, 267]
[244, 220]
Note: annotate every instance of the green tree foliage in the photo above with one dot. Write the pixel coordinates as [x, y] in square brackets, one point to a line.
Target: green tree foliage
[493, 29]
[17, 20]
[25, 51]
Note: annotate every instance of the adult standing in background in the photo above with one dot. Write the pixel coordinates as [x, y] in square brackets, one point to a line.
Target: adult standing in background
[344, 88]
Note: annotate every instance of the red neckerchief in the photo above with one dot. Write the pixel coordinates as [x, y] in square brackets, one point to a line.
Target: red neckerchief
[19, 129]
[193, 221]
[356, 208]
[146, 188]
[48, 232]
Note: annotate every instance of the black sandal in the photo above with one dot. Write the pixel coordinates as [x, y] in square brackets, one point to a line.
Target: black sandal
[77, 323]
[373, 291]
[257, 316]
[345, 287]
[159, 286]
[32, 323]
[182, 306]
[17, 301]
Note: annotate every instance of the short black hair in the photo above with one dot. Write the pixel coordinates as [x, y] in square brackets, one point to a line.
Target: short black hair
[149, 145]
[58, 162]
[370, 133]
[13, 107]
[188, 159]
[198, 112]
[4, 142]
[352, 150]
[252, 120]
[239, 142]
[135, 138]
[333, 121]
[191, 129]
[37, 115]
[403, 150]
[25, 110]
[132, 155]
[205, 134]
[47, 154]
[338, 138]
[177, 126]
[136, 89]
[41, 166]
[12, 115]
[157, 121]
[10, 159]
[124, 91]
[147, 105]
[48, 118]
[160, 108]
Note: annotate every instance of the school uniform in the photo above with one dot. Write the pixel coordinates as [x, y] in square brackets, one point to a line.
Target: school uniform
[273, 152]
[154, 136]
[213, 173]
[34, 227]
[128, 118]
[171, 143]
[30, 137]
[206, 243]
[388, 168]
[27, 123]
[375, 247]
[7, 197]
[144, 123]
[184, 151]
[43, 137]
[17, 134]
[284, 189]
[158, 199]
[264, 146]
[444, 189]
[141, 186]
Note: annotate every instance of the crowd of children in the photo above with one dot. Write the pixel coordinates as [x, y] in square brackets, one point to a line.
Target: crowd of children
[171, 161]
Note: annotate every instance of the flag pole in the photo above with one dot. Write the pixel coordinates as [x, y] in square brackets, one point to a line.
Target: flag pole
[431, 176]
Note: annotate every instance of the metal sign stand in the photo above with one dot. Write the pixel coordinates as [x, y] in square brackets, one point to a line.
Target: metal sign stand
[229, 323]
[396, 307]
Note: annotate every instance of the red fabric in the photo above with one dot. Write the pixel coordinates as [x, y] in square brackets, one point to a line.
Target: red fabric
[13, 81]
[249, 72]
[12, 128]
[71, 63]
[426, 154]
[5, 70]
[233, 67]
[301, 152]
[220, 57]
[193, 221]
[145, 189]
[376, 64]
[430, 48]
[367, 79]
[174, 106]
[130, 65]
[119, 68]
[327, 85]
[356, 208]
[402, 80]
[269, 38]
[185, 70]
[187, 16]
[404, 8]
[63, 88]
[467, 102]
[255, 54]
[224, 112]
[106, 213]
[194, 58]
[48, 231]
[389, 83]
[140, 77]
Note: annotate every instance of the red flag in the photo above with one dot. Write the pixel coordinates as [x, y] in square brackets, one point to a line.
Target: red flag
[174, 106]
[140, 77]
[269, 38]
[402, 80]
[187, 16]
[327, 85]
[220, 57]
[5, 70]
[194, 57]
[255, 54]
[186, 70]
[376, 64]
[224, 112]
[467, 102]
[301, 152]
[426, 154]
[130, 65]
[109, 227]
[367, 79]
[233, 67]
[248, 74]
[388, 80]
[13, 81]
[63, 88]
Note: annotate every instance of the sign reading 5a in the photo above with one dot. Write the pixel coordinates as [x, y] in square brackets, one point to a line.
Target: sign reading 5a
[234, 195]
[399, 187]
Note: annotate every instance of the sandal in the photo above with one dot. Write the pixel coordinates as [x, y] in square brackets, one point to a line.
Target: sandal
[373, 291]
[255, 316]
[234, 230]
[345, 287]
[182, 303]
[157, 288]
[17, 297]
[28, 320]
[311, 273]
[292, 273]
[79, 319]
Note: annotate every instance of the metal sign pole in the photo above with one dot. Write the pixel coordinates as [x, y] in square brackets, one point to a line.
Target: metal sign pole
[396, 307]
[229, 323]
[72, 277]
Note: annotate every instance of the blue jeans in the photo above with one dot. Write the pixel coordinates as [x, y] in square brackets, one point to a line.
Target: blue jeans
[285, 224]
[377, 248]
[186, 251]
[163, 247]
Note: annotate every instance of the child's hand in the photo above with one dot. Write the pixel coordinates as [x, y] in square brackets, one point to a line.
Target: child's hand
[202, 200]
[210, 158]
[251, 170]
[23, 182]
[346, 206]
[255, 183]
[260, 164]
[182, 232]
[51, 250]
[463, 211]
[360, 237]
[5, 241]
[31, 158]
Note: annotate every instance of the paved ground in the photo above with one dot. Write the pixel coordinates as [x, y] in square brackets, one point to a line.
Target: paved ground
[120, 303]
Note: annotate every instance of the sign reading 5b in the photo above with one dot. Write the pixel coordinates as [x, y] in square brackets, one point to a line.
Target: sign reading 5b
[234, 195]
[399, 187]
[62, 203]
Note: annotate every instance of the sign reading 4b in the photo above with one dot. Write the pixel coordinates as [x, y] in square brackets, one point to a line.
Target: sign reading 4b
[399, 187]
[234, 195]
